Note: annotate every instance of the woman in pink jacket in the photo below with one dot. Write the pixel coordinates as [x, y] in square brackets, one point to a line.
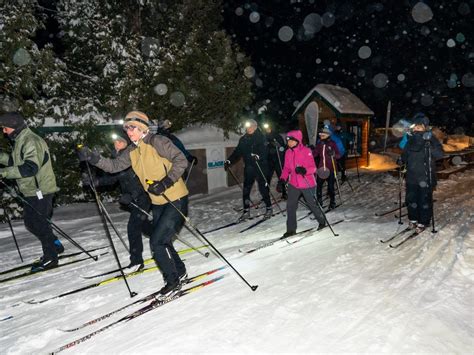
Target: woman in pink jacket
[298, 171]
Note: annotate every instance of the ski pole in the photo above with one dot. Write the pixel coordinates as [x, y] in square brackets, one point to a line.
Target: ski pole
[53, 225]
[101, 209]
[5, 213]
[428, 146]
[188, 221]
[266, 183]
[240, 185]
[189, 172]
[357, 162]
[400, 179]
[320, 208]
[337, 180]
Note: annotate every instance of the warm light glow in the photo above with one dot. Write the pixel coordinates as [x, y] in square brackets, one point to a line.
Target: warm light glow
[247, 124]
[266, 126]
[114, 136]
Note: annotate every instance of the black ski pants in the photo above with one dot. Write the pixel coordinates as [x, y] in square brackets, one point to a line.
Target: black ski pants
[292, 205]
[274, 167]
[319, 190]
[137, 224]
[419, 201]
[35, 215]
[167, 222]
[250, 175]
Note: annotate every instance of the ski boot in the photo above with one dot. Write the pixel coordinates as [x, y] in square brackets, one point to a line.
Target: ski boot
[413, 224]
[288, 234]
[245, 215]
[419, 228]
[169, 289]
[44, 264]
[268, 213]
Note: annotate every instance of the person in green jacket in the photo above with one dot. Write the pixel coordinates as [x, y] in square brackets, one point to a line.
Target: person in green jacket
[30, 166]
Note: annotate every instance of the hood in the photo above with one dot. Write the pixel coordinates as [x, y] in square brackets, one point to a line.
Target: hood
[296, 134]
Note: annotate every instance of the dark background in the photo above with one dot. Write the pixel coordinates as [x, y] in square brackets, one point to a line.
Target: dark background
[399, 45]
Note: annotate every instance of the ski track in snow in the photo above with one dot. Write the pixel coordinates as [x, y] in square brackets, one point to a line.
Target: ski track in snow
[324, 294]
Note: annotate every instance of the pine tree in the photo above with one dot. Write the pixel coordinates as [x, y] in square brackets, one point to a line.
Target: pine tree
[30, 78]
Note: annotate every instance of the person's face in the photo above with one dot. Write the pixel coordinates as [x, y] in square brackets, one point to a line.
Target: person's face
[133, 132]
[251, 129]
[419, 128]
[119, 145]
[324, 136]
[291, 143]
[8, 130]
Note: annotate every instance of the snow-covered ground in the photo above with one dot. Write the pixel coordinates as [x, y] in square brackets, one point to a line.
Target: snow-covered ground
[324, 294]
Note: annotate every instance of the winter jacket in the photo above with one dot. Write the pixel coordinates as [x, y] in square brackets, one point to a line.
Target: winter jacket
[29, 164]
[154, 157]
[274, 143]
[299, 156]
[336, 139]
[415, 156]
[176, 141]
[251, 144]
[321, 153]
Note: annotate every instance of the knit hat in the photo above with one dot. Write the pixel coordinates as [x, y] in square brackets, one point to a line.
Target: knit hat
[166, 124]
[137, 119]
[12, 120]
[326, 130]
[250, 123]
[421, 119]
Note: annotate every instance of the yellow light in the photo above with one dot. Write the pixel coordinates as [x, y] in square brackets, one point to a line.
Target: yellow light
[247, 124]
[114, 136]
[266, 125]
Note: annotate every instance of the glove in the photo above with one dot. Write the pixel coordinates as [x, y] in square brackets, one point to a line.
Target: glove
[255, 157]
[227, 164]
[193, 160]
[91, 156]
[331, 152]
[86, 180]
[125, 199]
[281, 186]
[158, 187]
[301, 170]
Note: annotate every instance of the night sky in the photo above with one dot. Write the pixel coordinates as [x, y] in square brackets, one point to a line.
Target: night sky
[417, 54]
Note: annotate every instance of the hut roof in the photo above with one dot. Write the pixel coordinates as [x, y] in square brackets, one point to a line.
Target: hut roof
[341, 99]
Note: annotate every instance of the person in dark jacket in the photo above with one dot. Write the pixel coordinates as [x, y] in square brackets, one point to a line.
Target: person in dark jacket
[253, 149]
[276, 155]
[132, 194]
[30, 166]
[345, 138]
[419, 155]
[326, 153]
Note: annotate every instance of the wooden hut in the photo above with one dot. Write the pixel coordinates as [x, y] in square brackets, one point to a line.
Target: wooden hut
[337, 104]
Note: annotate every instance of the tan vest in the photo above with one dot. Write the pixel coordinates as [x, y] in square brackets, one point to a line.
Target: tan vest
[149, 165]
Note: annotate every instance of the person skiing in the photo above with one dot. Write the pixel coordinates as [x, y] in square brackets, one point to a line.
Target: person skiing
[132, 194]
[298, 171]
[159, 165]
[276, 154]
[421, 151]
[252, 148]
[30, 166]
[325, 153]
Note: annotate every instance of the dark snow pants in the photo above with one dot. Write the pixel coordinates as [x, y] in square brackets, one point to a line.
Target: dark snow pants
[332, 194]
[38, 225]
[274, 167]
[137, 224]
[292, 205]
[419, 201]
[167, 222]
[250, 175]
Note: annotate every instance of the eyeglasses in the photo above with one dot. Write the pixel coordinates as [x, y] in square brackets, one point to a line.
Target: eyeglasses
[129, 128]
